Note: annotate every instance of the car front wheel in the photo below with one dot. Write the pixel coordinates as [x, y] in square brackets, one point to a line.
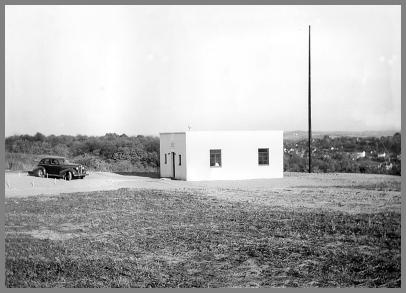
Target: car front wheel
[40, 173]
[68, 176]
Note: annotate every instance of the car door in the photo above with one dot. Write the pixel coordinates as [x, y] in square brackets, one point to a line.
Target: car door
[54, 167]
[59, 166]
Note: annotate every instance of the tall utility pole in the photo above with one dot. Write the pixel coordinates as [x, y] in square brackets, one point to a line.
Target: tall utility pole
[310, 113]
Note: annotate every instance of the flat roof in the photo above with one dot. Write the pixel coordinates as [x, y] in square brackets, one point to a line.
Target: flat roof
[182, 132]
[172, 132]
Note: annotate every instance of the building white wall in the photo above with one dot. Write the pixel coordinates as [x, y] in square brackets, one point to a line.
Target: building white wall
[239, 154]
[173, 142]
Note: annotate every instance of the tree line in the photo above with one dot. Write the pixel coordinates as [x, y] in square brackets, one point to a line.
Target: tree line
[111, 152]
[122, 153]
[378, 155]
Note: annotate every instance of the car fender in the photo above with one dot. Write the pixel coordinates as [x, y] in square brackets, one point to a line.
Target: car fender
[64, 171]
[38, 168]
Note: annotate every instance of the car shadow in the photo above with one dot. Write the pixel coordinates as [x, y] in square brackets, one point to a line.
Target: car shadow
[30, 173]
[141, 174]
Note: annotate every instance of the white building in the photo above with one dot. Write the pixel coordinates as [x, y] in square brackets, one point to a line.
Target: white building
[359, 155]
[221, 155]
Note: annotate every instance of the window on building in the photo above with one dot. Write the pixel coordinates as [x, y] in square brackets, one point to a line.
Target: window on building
[166, 159]
[180, 160]
[263, 156]
[215, 158]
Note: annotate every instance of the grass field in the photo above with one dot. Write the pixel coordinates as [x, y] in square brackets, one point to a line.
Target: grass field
[169, 238]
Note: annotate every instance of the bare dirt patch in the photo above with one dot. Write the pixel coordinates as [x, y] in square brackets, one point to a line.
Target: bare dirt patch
[52, 235]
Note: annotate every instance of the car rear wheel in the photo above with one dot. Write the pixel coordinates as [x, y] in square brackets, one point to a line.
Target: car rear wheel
[68, 176]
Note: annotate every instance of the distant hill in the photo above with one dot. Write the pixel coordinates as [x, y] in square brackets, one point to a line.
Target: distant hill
[300, 134]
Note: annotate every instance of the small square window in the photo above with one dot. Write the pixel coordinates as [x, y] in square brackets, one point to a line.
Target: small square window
[263, 156]
[215, 158]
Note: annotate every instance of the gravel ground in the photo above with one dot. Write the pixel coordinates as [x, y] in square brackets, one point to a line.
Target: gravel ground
[297, 185]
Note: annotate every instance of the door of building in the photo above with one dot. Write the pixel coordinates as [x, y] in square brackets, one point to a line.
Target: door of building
[173, 165]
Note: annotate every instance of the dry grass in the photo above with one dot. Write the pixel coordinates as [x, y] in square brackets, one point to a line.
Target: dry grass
[21, 162]
[157, 238]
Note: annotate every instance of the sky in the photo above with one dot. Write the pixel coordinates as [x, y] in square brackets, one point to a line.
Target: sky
[93, 70]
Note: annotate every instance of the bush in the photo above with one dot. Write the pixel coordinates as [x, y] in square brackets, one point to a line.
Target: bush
[110, 152]
[21, 162]
[92, 162]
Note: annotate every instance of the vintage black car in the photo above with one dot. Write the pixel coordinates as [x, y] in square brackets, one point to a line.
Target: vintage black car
[59, 167]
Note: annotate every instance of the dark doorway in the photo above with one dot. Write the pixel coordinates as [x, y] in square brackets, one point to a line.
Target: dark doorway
[173, 164]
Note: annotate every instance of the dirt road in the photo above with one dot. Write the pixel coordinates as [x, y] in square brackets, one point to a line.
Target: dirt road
[22, 185]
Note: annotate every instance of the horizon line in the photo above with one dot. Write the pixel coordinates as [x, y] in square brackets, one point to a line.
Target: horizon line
[158, 133]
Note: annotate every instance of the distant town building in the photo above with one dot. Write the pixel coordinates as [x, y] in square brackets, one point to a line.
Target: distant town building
[360, 155]
[383, 155]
